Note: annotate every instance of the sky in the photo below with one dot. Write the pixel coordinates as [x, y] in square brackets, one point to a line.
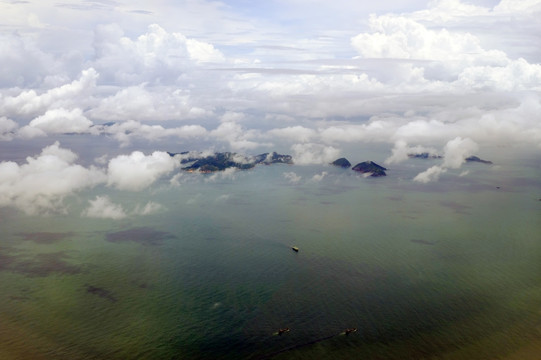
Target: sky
[311, 78]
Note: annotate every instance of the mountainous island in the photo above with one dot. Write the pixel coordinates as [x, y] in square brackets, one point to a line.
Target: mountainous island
[366, 167]
[342, 162]
[223, 160]
[370, 167]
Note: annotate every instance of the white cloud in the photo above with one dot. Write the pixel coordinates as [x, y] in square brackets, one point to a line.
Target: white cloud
[42, 183]
[237, 137]
[103, 208]
[227, 174]
[137, 171]
[60, 121]
[30, 103]
[457, 150]
[401, 150]
[455, 153]
[143, 103]
[156, 56]
[401, 37]
[431, 174]
[149, 208]
[127, 130]
[319, 177]
[518, 6]
[296, 133]
[22, 61]
[292, 177]
[311, 153]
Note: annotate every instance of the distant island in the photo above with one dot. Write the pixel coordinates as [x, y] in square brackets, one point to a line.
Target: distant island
[425, 155]
[476, 159]
[223, 160]
[342, 162]
[370, 167]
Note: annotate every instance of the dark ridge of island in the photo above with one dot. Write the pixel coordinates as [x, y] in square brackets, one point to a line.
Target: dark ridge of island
[273, 158]
[370, 167]
[476, 159]
[224, 160]
[342, 162]
[424, 155]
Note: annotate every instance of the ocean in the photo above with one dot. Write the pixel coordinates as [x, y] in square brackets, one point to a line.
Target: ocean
[445, 270]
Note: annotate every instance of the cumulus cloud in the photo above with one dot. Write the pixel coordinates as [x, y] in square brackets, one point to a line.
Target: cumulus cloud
[401, 150]
[457, 150]
[237, 137]
[137, 171]
[431, 174]
[103, 208]
[125, 131]
[30, 103]
[25, 63]
[292, 177]
[61, 121]
[156, 56]
[311, 153]
[455, 153]
[148, 104]
[42, 183]
[319, 177]
[401, 37]
[296, 133]
[149, 208]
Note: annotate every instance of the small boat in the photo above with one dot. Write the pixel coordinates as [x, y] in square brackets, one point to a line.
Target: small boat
[350, 330]
[282, 331]
[296, 249]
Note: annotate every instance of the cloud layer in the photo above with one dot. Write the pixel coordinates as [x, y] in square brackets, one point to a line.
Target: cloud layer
[438, 76]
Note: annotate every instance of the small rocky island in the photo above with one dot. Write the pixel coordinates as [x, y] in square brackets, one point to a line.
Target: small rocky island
[223, 160]
[342, 162]
[476, 159]
[370, 167]
[424, 155]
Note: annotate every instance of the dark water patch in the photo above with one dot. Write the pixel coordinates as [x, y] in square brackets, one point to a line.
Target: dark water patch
[19, 298]
[44, 238]
[325, 297]
[6, 261]
[141, 235]
[423, 242]
[101, 292]
[456, 207]
[46, 264]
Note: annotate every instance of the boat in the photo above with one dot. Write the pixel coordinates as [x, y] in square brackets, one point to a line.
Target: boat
[350, 330]
[282, 331]
[296, 249]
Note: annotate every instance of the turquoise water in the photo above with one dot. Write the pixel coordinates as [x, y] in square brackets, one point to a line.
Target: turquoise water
[449, 270]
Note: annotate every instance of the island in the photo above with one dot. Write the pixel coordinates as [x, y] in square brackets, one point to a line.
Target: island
[342, 162]
[476, 159]
[424, 155]
[223, 160]
[370, 167]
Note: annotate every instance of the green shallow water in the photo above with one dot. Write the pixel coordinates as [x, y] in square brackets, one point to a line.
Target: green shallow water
[449, 270]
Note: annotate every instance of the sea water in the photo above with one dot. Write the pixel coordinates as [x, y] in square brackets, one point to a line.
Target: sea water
[444, 270]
